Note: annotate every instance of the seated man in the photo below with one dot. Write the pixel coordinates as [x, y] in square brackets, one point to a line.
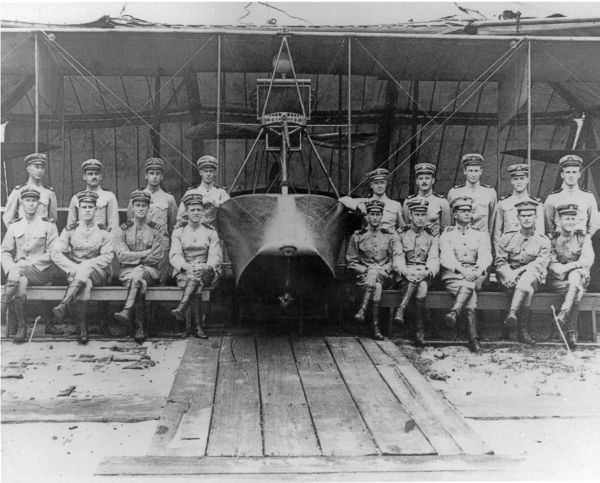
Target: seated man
[522, 258]
[84, 252]
[196, 258]
[416, 259]
[369, 257]
[465, 255]
[139, 247]
[571, 258]
[26, 257]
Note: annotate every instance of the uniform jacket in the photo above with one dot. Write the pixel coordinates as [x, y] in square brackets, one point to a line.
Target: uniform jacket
[212, 193]
[46, 207]
[392, 217]
[515, 249]
[195, 246]
[412, 248]
[587, 212]
[370, 248]
[484, 204]
[28, 240]
[506, 215]
[137, 244]
[162, 211]
[107, 209]
[576, 247]
[464, 247]
[438, 213]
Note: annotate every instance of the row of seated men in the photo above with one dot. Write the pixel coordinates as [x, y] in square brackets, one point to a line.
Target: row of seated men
[457, 238]
[157, 238]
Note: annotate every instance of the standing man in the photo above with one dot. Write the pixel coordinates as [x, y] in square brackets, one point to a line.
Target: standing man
[506, 215]
[26, 257]
[196, 258]
[571, 259]
[465, 255]
[484, 197]
[212, 195]
[369, 257]
[36, 168]
[570, 193]
[521, 263]
[438, 211]
[84, 252]
[139, 247]
[416, 260]
[392, 218]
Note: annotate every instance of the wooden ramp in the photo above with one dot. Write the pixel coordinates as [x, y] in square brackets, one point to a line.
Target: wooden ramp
[241, 404]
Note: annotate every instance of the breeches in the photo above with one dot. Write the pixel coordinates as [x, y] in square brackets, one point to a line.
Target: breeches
[580, 277]
[92, 278]
[422, 287]
[149, 275]
[528, 282]
[206, 278]
[372, 277]
[25, 276]
[453, 285]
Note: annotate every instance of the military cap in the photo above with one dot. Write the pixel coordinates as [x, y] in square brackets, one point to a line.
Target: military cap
[207, 161]
[91, 165]
[87, 195]
[462, 202]
[418, 203]
[154, 163]
[518, 169]
[425, 168]
[379, 173]
[527, 205]
[141, 195]
[29, 192]
[568, 209]
[374, 206]
[570, 160]
[192, 199]
[37, 158]
[472, 159]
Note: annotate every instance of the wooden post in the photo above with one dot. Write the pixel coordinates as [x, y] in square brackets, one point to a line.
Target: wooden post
[386, 125]
[349, 100]
[155, 133]
[194, 106]
[37, 92]
[413, 134]
[529, 106]
[218, 151]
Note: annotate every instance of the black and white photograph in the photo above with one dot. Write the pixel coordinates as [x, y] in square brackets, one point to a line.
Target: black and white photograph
[299, 241]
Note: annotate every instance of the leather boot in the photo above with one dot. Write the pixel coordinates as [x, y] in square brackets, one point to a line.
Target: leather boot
[188, 292]
[461, 299]
[419, 321]
[9, 291]
[474, 345]
[139, 335]
[567, 305]
[61, 309]
[359, 317]
[572, 325]
[523, 323]
[125, 314]
[505, 335]
[51, 329]
[198, 318]
[406, 298]
[517, 300]
[80, 309]
[18, 308]
[376, 333]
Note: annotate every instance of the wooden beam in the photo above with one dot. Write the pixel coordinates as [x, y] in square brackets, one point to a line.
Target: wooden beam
[194, 106]
[567, 96]
[11, 98]
[386, 125]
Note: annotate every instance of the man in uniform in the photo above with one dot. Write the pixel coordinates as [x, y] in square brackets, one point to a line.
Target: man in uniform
[392, 217]
[571, 194]
[369, 257]
[416, 260]
[36, 168]
[483, 196]
[438, 211]
[465, 255]
[212, 195]
[26, 257]
[571, 258]
[506, 214]
[196, 258]
[139, 247]
[522, 258]
[163, 207]
[84, 252]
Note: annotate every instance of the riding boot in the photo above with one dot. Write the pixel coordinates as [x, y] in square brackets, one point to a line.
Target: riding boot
[572, 325]
[567, 305]
[419, 321]
[505, 332]
[8, 294]
[125, 314]
[474, 345]
[376, 334]
[517, 300]
[51, 329]
[80, 309]
[74, 288]
[359, 317]
[139, 307]
[198, 318]
[523, 323]
[18, 306]
[406, 298]
[188, 292]
[462, 296]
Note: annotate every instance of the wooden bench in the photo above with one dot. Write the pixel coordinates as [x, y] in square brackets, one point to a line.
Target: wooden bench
[499, 301]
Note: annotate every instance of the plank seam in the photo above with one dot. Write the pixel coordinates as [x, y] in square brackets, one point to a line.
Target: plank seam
[260, 398]
[212, 406]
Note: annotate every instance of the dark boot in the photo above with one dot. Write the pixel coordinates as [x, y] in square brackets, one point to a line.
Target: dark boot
[140, 306]
[376, 333]
[61, 309]
[18, 308]
[567, 305]
[9, 292]
[198, 318]
[517, 300]
[474, 345]
[406, 298]
[523, 323]
[461, 299]
[505, 332]
[125, 314]
[80, 310]
[572, 325]
[51, 329]
[359, 317]
[188, 292]
[419, 321]
[571, 337]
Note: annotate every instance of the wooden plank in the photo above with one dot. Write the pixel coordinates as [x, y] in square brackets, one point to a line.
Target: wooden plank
[394, 431]
[340, 427]
[427, 420]
[287, 425]
[166, 427]
[235, 427]
[469, 441]
[136, 465]
[154, 294]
